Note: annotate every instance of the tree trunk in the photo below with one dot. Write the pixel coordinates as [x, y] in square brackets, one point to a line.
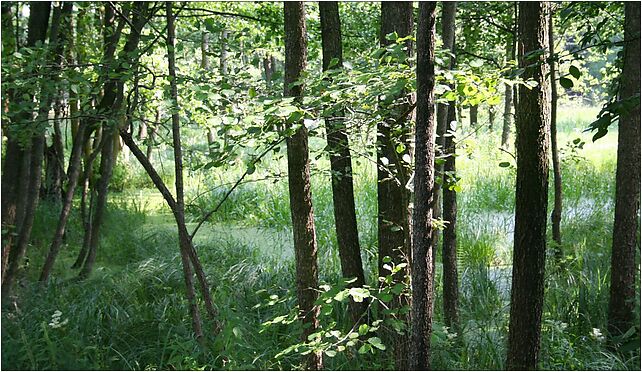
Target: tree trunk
[622, 304]
[179, 210]
[531, 196]
[345, 216]
[422, 252]
[449, 210]
[205, 46]
[393, 173]
[111, 104]
[54, 161]
[305, 245]
[72, 179]
[473, 116]
[449, 248]
[556, 216]
[28, 192]
[491, 118]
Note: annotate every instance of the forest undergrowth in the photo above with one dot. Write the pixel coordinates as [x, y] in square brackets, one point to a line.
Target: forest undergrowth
[131, 314]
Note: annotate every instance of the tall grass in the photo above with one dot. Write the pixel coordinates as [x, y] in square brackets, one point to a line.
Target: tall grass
[132, 313]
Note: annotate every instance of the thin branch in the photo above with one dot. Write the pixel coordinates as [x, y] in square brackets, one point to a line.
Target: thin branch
[238, 182]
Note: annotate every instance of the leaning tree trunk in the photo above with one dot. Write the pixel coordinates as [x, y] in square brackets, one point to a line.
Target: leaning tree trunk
[531, 196]
[422, 252]
[624, 269]
[449, 210]
[556, 215]
[393, 173]
[305, 245]
[345, 216]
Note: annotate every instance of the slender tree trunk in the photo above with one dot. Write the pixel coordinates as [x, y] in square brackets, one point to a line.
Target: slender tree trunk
[305, 245]
[531, 197]
[422, 252]
[449, 210]
[341, 163]
[449, 248]
[112, 103]
[179, 210]
[509, 91]
[393, 173]
[205, 46]
[473, 116]
[622, 304]
[491, 118]
[54, 161]
[72, 178]
[556, 216]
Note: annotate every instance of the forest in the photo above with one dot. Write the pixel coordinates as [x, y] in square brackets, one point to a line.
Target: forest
[320, 185]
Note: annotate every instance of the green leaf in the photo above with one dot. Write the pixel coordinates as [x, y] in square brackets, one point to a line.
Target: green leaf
[364, 348]
[575, 72]
[330, 353]
[376, 342]
[504, 164]
[363, 329]
[566, 83]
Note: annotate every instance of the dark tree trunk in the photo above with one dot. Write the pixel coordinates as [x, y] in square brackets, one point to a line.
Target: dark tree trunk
[627, 185]
[422, 252]
[111, 105]
[54, 161]
[341, 164]
[449, 210]
[531, 196]
[473, 116]
[491, 118]
[72, 178]
[305, 246]
[556, 215]
[179, 209]
[449, 248]
[27, 193]
[393, 173]
[268, 69]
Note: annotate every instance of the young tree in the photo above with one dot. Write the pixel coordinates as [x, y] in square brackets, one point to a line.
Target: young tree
[422, 257]
[305, 245]
[393, 172]
[621, 315]
[509, 91]
[556, 215]
[449, 210]
[531, 196]
[345, 216]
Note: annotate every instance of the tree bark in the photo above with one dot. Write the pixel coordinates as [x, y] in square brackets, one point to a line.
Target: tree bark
[627, 185]
[422, 252]
[449, 210]
[345, 216]
[393, 173]
[473, 116]
[28, 192]
[305, 245]
[556, 215]
[531, 196]
[205, 46]
[491, 118]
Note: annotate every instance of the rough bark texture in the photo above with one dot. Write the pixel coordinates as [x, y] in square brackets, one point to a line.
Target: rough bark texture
[305, 246]
[627, 185]
[26, 195]
[448, 37]
[449, 199]
[556, 215]
[422, 253]
[393, 173]
[345, 216]
[531, 197]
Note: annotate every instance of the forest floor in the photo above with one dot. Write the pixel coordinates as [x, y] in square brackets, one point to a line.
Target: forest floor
[132, 314]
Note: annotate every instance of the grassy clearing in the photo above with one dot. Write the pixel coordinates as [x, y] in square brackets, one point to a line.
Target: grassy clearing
[132, 313]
